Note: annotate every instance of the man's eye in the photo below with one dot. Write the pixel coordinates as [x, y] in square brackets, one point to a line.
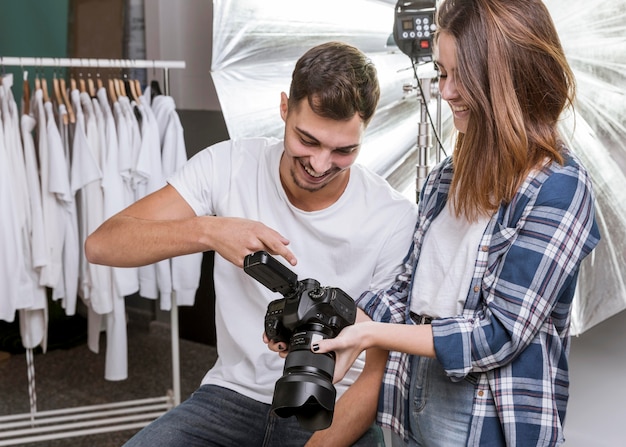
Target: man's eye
[308, 142]
[345, 151]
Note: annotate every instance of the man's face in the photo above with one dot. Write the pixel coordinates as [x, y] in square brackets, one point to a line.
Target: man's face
[318, 151]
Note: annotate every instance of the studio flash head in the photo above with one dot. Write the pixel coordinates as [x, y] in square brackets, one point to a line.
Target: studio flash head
[414, 27]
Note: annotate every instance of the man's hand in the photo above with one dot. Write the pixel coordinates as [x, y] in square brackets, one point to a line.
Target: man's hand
[276, 346]
[235, 238]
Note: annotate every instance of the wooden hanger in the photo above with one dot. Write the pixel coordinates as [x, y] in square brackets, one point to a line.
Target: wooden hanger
[119, 87]
[112, 90]
[66, 101]
[91, 87]
[44, 87]
[57, 90]
[138, 87]
[82, 86]
[26, 94]
[57, 96]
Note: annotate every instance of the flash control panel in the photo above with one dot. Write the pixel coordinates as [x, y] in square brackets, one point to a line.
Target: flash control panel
[414, 28]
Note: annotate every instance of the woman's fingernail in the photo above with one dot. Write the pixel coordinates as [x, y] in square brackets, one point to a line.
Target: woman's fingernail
[316, 347]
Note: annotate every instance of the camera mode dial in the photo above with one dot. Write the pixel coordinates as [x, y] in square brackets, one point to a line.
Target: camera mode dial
[317, 293]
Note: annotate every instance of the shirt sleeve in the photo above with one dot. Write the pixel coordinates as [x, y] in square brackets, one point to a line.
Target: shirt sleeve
[534, 256]
[199, 180]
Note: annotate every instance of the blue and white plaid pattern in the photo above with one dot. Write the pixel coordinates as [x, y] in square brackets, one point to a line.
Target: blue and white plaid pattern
[513, 335]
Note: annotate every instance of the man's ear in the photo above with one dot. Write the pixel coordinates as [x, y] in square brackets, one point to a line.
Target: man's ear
[284, 105]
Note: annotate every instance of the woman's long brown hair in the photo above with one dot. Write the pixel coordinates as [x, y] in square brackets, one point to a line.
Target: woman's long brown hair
[514, 76]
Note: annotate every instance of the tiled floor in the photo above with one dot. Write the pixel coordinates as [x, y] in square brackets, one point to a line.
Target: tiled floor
[74, 377]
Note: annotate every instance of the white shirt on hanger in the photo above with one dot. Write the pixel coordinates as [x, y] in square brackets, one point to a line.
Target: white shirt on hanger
[71, 248]
[11, 254]
[155, 279]
[113, 185]
[87, 183]
[127, 138]
[59, 186]
[51, 271]
[185, 270]
[124, 281]
[34, 323]
[10, 135]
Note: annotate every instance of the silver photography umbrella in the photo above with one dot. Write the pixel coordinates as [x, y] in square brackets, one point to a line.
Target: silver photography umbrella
[255, 45]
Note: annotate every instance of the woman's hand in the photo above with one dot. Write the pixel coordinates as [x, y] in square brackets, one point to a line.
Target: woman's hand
[348, 345]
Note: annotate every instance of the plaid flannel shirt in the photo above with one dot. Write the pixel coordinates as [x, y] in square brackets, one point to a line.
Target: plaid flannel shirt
[512, 338]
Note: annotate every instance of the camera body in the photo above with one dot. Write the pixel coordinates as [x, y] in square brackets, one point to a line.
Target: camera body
[306, 313]
[309, 303]
[414, 28]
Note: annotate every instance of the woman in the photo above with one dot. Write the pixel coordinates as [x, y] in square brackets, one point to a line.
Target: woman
[504, 224]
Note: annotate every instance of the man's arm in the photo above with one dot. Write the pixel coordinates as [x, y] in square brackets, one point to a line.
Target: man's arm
[163, 225]
[355, 411]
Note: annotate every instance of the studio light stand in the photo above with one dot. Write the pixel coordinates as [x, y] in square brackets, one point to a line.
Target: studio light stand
[413, 31]
[427, 90]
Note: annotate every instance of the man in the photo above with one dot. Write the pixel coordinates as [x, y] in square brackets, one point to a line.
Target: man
[301, 198]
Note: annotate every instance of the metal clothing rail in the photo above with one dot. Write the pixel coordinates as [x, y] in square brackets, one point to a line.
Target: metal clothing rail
[104, 418]
[88, 63]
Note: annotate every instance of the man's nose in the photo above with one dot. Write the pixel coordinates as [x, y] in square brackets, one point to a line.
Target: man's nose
[321, 161]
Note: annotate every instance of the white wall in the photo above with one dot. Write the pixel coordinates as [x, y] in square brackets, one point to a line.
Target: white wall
[596, 415]
[182, 30]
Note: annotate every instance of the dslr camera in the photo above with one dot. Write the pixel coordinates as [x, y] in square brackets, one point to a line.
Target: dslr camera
[307, 312]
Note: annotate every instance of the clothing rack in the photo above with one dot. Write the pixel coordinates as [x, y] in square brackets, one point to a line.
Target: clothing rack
[88, 63]
[38, 426]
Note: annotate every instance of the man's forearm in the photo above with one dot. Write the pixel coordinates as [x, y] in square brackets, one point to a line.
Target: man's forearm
[126, 241]
[354, 414]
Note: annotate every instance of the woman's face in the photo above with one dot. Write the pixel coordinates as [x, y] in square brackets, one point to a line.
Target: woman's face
[448, 81]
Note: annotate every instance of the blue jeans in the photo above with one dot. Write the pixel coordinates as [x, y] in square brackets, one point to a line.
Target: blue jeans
[216, 416]
[441, 410]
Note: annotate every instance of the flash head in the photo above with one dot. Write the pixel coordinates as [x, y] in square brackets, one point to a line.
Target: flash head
[414, 28]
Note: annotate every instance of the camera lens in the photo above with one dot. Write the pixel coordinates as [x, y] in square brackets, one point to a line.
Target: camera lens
[305, 389]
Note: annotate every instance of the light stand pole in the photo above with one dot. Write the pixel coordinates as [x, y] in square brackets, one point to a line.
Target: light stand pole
[427, 90]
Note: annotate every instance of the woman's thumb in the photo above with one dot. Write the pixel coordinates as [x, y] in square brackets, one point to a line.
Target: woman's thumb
[322, 346]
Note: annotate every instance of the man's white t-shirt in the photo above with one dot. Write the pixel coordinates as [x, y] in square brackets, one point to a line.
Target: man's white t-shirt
[356, 244]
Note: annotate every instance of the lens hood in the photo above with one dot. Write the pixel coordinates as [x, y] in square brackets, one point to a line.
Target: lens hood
[309, 397]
